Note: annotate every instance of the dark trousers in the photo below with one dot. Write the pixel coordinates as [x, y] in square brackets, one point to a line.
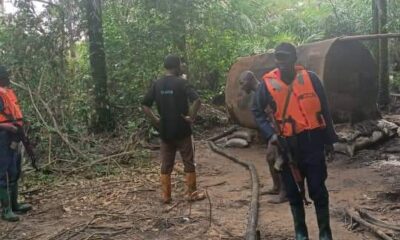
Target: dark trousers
[168, 152]
[313, 168]
[10, 161]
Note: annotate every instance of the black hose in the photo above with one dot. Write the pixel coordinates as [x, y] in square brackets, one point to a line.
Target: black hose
[251, 230]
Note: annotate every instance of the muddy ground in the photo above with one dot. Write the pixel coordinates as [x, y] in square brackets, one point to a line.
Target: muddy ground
[126, 206]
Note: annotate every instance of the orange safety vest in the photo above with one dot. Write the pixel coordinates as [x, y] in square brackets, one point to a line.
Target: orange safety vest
[11, 110]
[304, 107]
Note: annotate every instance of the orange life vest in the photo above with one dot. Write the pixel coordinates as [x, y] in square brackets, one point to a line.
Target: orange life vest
[304, 107]
[11, 110]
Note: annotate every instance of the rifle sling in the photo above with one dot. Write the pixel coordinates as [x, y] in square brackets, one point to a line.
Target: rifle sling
[285, 106]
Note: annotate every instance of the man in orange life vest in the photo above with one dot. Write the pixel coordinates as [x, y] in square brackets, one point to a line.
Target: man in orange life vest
[10, 157]
[300, 108]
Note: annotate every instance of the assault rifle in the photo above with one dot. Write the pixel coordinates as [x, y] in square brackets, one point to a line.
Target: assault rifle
[27, 145]
[284, 148]
[21, 136]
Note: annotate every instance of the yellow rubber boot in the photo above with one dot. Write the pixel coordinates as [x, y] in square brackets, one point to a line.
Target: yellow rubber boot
[192, 194]
[166, 188]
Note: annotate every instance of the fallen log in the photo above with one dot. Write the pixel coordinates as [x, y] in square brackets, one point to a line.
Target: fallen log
[363, 135]
[364, 214]
[353, 215]
[223, 134]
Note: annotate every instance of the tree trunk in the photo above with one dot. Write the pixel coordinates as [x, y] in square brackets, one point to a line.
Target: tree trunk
[70, 29]
[102, 119]
[384, 98]
[2, 10]
[375, 29]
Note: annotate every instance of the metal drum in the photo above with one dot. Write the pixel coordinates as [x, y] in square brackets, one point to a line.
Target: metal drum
[346, 68]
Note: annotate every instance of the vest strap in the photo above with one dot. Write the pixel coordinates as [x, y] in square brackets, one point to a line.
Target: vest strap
[285, 106]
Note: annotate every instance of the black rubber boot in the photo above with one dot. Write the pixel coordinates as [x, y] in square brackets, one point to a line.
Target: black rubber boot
[299, 219]
[19, 208]
[322, 212]
[6, 213]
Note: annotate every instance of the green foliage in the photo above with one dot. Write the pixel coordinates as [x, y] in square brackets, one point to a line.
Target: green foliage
[395, 82]
[47, 51]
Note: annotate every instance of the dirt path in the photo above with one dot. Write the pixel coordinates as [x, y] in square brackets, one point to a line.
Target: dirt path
[127, 206]
[346, 185]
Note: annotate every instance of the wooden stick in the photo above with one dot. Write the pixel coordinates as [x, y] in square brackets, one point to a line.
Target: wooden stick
[172, 207]
[353, 215]
[104, 159]
[58, 131]
[376, 221]
[210, 204]
[55, 125]
[215, 184]
[82, 229]
[49, 155]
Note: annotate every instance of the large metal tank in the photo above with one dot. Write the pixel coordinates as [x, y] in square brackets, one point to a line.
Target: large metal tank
[346, 68]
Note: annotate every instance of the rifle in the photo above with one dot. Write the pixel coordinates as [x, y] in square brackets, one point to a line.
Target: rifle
[284, 148]
[27, 145]
[21, 136]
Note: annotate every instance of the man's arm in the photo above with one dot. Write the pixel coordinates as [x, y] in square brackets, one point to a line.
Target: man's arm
[194, 108]
[150, 115]
[261, 100]
[331, 136]
[196, 102]
[146, 106]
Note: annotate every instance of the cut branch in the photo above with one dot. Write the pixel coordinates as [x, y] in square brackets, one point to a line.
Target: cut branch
[55, 127]
[376, 221]
[354, 216]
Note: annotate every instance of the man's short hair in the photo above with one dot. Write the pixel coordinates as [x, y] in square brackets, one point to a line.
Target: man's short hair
[285, 50]
[172, 62]
[4, 74]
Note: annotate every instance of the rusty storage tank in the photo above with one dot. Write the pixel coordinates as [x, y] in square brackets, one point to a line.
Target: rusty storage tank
[346, 68]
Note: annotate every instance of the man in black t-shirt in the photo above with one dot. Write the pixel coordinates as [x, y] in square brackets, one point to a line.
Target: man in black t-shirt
[172, 95]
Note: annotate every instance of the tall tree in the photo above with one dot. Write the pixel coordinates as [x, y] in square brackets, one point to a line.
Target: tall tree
[375, 29]
[1, 7]
[102, 119]
[383, 58]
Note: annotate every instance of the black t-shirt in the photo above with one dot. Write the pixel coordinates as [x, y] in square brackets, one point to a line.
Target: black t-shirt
[172, 95]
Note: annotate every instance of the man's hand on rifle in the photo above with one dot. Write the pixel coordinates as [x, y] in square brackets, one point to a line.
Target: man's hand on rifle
[20, 130]
[274, 140]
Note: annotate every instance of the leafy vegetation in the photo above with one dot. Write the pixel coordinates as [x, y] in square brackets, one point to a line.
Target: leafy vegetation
[48, 52]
